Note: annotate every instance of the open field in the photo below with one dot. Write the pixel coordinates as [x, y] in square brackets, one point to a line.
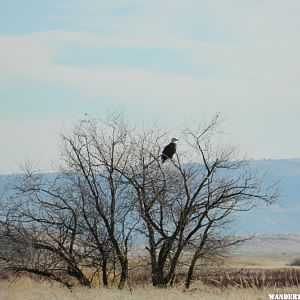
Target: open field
[232, 287]
[260, 261]
[27, 289]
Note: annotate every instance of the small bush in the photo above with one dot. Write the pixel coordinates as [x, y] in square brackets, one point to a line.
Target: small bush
[295, 262]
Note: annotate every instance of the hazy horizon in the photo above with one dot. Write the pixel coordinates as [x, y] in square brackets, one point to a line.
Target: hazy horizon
[282, 216]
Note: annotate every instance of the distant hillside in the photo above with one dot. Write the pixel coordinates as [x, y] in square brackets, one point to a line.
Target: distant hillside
[271, 244]
[282, 217]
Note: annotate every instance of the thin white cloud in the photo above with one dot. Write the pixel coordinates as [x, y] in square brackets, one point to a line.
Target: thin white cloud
[272, 221]
[34, 139]
[127, 84]
[250, 50]
[239, 88]
[236, 69]
[284, 210]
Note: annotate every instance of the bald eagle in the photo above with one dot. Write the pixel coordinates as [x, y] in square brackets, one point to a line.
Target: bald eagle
[169, 150]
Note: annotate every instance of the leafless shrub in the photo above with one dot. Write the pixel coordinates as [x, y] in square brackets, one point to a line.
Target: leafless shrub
[112, 187]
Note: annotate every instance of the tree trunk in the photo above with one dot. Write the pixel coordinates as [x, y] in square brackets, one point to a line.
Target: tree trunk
[76, 273]
[190, 272]
[172, 270]
[104, 273]
[124, 273]
[158, 279]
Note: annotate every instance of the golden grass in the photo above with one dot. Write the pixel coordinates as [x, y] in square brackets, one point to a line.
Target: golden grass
[28, 289]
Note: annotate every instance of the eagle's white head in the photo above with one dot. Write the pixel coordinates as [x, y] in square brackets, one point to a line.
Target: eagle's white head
[174, 140]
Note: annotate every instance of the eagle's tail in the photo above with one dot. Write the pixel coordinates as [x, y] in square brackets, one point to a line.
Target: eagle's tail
[163, 158]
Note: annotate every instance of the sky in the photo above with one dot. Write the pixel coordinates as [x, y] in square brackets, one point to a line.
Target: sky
[166, 61]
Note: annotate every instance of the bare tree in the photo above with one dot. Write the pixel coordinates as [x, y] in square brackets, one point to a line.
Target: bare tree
[83, 216]
[186, 202]
[112, 189]
[95, 150]
[44, 223]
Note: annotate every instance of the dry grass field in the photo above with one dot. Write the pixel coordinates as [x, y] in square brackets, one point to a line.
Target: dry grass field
[254, 284]
[229, 287]
[27, 289]
[260, 262]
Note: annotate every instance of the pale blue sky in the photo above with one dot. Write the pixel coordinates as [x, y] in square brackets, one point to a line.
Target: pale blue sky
[171, 61]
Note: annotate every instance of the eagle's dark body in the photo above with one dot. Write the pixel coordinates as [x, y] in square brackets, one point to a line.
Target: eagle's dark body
[168, 152]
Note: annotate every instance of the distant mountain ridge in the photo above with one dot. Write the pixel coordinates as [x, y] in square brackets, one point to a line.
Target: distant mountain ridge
[282, 217]
[266, 244]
